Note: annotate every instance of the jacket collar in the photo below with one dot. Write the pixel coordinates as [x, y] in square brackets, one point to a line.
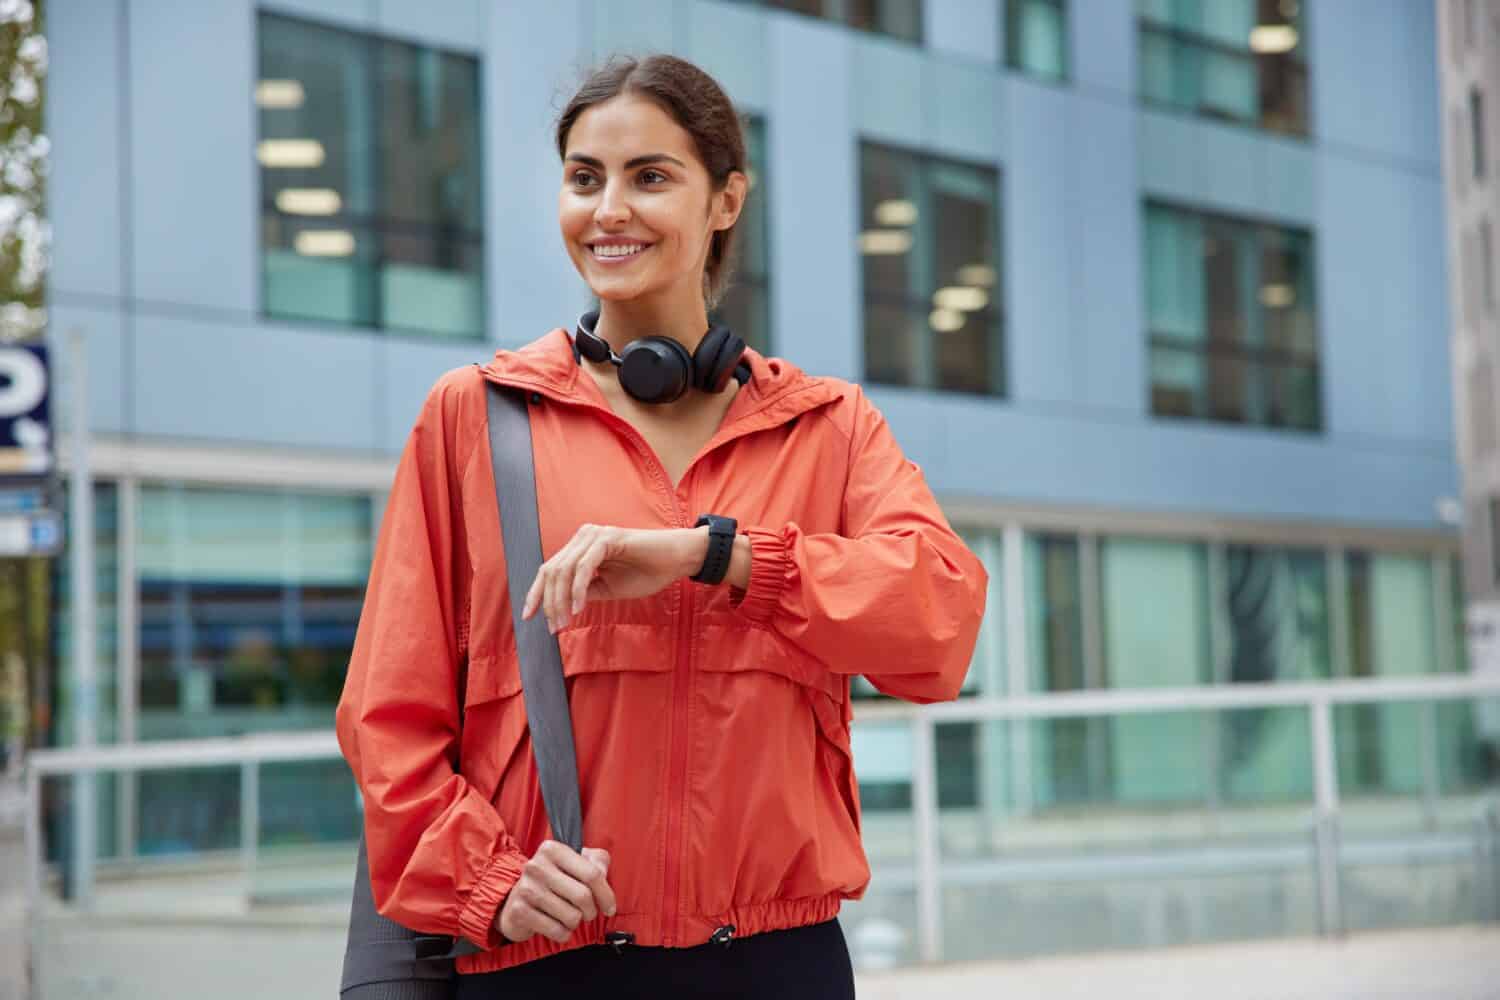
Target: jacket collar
[777, 391]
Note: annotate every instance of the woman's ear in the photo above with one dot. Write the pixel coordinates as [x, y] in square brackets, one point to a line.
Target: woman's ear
[730, 201]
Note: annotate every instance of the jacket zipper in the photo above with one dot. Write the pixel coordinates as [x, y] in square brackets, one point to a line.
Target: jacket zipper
[677, 779]
[681, 690]
[678, 742]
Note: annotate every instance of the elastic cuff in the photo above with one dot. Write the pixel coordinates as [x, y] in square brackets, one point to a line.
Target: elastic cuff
[476, 921]
[769, 564]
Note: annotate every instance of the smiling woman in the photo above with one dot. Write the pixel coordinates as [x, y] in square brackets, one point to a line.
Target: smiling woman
[707, 664]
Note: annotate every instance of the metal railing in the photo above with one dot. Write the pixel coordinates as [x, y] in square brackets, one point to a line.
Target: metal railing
[1318, 698]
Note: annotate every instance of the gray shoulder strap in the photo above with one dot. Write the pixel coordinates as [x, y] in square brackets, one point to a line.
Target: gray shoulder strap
[541, 660]
[384, 960]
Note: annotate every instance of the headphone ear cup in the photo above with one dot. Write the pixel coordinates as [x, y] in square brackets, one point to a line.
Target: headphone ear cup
[655, 369]
[716, 357]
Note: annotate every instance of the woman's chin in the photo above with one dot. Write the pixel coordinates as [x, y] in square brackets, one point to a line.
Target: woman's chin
[615, 291]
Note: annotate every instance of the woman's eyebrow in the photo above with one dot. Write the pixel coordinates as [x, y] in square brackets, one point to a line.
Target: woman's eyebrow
[639, 161]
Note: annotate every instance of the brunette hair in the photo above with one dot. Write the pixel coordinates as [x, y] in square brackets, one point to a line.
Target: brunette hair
[698, 104]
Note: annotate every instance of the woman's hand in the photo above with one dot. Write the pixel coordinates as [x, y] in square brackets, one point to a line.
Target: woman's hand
[605, 563]
[558, 888]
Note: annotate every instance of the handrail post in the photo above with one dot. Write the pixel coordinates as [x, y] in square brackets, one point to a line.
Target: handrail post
[1427, 732]
[924, 814]
[35, 916]
[1326, 797]
[249, 822]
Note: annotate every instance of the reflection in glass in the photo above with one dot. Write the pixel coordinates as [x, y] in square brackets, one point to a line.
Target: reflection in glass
[1036, 37]
[383, 227]
[248, 605]
[1234, 60]
[930, 268]
[898, 18]
[1230, 310]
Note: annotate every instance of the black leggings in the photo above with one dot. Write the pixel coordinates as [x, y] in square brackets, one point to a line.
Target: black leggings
[810, 961]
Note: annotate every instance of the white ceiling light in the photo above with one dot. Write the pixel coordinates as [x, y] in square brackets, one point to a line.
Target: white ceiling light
[882, 242]
[961, 297]
[279, 94]
[309, 201]
[895, 212]
[946, 320]
[978, 275]
[289, 153]
[324, 243]
[1273, 39]
[1277, 296]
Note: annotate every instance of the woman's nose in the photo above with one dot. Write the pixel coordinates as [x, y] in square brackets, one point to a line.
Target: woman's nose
[613, 206]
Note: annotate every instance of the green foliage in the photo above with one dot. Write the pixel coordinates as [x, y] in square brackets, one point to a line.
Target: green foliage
[24, 234]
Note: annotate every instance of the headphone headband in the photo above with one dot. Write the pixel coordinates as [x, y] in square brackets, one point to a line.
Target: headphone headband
[658, 369]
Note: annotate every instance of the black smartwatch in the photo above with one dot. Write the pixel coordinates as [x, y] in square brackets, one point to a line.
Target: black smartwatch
[721, 532]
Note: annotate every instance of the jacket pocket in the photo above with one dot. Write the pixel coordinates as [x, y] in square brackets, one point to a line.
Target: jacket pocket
[773, 798]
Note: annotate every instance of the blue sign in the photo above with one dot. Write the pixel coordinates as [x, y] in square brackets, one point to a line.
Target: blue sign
[25, 424]
[32, 533]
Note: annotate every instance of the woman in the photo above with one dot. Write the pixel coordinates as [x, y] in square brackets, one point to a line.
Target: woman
[709, 695]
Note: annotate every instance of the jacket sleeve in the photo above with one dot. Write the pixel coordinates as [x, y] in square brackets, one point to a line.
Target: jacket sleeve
[896, 595]
[440, 858]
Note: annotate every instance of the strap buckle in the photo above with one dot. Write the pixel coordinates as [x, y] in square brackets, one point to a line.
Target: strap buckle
[618, 940]
[724, 935]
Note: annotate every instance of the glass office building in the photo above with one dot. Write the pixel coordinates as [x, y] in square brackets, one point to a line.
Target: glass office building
[1148, 292]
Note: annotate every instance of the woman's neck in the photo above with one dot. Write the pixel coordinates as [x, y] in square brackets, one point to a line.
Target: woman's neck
[620, 322]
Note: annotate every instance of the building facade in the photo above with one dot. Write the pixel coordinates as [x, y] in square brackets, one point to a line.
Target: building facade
[1150, 291]
[1469, 48]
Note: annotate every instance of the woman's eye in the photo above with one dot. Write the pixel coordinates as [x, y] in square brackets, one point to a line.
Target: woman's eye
[646, 176]
[581, 176]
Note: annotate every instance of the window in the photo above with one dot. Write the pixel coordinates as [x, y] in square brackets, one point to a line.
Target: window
[1237, 60]
[249, 601]
[1476, 128]
[1230, 320]
[929, 238]
[1036, 37]
[897, 18]
[746, 304]
[248, 604]
[369, 158]
[1274, 605]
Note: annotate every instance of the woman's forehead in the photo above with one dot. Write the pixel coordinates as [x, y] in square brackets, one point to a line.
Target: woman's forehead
[625, 127]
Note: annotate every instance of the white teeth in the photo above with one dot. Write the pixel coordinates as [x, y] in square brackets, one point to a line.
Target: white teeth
[618, 251]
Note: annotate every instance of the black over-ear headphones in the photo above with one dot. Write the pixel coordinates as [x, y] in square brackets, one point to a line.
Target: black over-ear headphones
[657, 369]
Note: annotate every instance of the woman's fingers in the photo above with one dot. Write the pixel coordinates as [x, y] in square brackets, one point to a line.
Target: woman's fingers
[583, 574]
[604, 893]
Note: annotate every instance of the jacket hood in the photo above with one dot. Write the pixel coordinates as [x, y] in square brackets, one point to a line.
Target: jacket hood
[777, 389]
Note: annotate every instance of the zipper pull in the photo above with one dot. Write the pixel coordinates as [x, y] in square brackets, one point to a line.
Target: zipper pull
[618, 940]
[724, 935]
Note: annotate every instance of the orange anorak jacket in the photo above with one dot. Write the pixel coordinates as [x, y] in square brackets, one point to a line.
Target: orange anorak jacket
[711, 723]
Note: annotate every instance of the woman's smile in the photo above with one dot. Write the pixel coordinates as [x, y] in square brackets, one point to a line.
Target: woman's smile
[615, 254]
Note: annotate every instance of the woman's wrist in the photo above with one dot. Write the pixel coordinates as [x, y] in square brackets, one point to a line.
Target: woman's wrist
[695, 550]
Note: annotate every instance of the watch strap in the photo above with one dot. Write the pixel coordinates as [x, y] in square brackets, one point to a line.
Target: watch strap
[721, 531]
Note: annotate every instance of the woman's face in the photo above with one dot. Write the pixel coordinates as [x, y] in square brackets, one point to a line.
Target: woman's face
[636, 208]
